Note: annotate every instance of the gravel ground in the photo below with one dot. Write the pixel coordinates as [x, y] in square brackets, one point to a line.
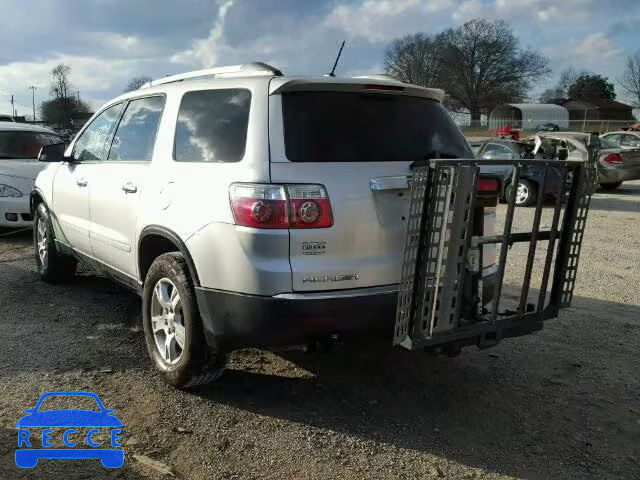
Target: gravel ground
[562, 403]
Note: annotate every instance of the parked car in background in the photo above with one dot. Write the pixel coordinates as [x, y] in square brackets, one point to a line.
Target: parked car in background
[528, 187]
[627, 139]
[20, 144]
[547, 127]
[615, 164]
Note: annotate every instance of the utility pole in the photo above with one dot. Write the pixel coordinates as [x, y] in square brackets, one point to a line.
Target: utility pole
[78, 91]
[33, 98]
[13, 108]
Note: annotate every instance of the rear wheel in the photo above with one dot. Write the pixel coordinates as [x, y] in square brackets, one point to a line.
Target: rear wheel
[526, 194]
[173, 327]
[52, 266]
[610, 186]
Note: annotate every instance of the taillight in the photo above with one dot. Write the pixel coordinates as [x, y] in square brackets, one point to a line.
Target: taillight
[488, 186]
[259, 206]
[613, 158]
[310, 207]
[280, 206]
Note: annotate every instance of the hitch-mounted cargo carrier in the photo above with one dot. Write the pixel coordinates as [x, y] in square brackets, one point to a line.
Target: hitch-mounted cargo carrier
[440, 303]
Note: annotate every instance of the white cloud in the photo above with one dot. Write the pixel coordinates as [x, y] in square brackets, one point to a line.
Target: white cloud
[565, 11]
[380, 20]
[468, 10]
[89, 74]
[205, 52]
[541, 11]
[595, 48]
[116, 44]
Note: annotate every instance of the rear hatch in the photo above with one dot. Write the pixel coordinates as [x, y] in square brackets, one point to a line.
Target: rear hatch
[359, 141]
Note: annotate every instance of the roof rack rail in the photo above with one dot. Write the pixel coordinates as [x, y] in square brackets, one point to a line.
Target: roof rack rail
[244, 70]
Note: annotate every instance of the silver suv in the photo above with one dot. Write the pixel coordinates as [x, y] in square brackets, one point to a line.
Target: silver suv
[248, 209]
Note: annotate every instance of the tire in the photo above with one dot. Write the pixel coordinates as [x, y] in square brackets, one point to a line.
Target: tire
[193, 363]
[53, 266]
[530, 191]
[610, 186]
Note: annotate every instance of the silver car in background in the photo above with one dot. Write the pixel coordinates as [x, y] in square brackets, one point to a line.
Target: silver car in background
[615, 164]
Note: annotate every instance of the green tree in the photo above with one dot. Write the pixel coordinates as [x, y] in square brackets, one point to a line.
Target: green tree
[591, 86]
[58, 111]
[560, 90]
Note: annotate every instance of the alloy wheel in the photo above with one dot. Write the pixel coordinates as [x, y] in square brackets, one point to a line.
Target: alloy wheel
[42, 241]
[167, 321]
[522, 194]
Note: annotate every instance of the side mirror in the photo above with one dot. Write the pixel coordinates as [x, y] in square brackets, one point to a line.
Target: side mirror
[52, 153]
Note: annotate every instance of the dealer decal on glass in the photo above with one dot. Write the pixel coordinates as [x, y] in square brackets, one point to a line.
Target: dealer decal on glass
[69, 433]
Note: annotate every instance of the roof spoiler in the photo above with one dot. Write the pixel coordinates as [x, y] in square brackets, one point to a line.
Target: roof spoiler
[355, 84]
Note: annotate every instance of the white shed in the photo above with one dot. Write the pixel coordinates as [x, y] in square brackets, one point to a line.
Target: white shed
[528, 115]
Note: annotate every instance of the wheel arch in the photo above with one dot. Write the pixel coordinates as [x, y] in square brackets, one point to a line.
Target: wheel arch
[35, 198]
[155, 240]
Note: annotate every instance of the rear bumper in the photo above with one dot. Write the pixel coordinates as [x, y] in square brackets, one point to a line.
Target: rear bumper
[617, 174]
[233, 320]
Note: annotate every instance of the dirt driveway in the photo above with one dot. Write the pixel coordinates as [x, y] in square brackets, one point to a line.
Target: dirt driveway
[563, 403]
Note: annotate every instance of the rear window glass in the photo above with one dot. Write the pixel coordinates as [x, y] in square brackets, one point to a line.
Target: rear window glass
[212, 126]
[359, 127]
[25, 145]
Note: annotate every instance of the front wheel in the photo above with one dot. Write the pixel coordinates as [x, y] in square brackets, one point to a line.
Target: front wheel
[526, 193]
[52, 266]
[610, 186]
[173, 328]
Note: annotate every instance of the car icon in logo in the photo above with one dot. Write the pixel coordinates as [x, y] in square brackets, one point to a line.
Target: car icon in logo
[35, 430]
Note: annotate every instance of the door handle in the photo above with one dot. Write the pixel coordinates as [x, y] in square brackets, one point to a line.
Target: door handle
[81, 182]
[129, 188]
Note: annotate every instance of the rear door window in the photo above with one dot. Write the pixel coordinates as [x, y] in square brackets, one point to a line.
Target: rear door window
[368, 127]
[212, 126]
[136, 134]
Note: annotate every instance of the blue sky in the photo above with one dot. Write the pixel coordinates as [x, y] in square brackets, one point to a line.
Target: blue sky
[106, 42]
